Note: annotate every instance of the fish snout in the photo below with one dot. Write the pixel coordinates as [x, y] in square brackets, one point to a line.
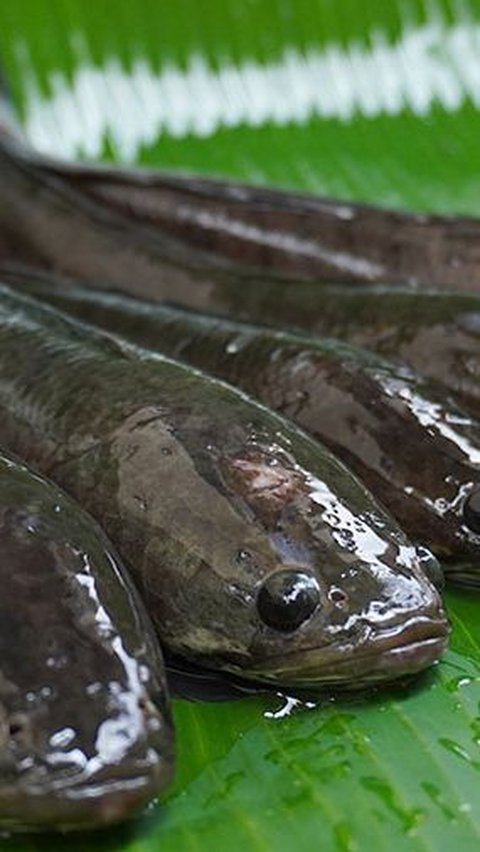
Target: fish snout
[67, 780]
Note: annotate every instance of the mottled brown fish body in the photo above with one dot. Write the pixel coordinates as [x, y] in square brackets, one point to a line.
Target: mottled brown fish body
[436, 333]
[415, 450]
[85, 729]
[40, 215]
[255, 550]
[226, 225]
[161, 230]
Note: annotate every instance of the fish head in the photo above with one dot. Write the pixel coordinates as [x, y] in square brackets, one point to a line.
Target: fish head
[350, 601]
[259, 553]
[269, 559]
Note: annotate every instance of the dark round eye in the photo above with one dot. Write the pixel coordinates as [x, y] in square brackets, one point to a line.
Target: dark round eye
[287, 598]
[431, 567]
[471, 511]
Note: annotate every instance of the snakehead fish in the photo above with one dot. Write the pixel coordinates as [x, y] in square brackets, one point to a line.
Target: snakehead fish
[254, 549]
[218, 224]
[85, 730]
[416, 451]
[160, 230]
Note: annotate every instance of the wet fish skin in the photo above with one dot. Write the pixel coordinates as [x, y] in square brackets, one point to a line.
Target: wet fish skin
[40, 215]
[163, 230]
[220, 224]
[85, 729]
[411, 447]
[208, 496]
[434, 332]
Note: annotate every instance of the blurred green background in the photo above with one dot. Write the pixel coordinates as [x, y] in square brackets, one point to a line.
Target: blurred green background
[373, 100]
[370, 100]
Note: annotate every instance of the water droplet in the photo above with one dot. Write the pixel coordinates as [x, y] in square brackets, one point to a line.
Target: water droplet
[409, 818]
[242, 555]
[475, 728]
[57, 661]
[144, 673]
[344, 211]
[289, 704]
[459, 751]
[236, 343]
[344, 839]
[62, 738]
[143, 505]
[455, 683]
[434, 793]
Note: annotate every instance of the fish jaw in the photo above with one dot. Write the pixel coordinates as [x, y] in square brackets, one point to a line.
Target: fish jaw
[379, 659]
[397, 628]
[70, 800]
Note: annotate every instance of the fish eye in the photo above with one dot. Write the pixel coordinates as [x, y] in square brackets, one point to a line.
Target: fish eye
[18, 727]
[286, 599]
[430, 567]
[471, 511]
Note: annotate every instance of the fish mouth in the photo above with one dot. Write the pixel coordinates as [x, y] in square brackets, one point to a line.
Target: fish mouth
[86, 805]
[379, 658]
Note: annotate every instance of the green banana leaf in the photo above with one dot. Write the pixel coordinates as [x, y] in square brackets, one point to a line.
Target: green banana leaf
[372, 100]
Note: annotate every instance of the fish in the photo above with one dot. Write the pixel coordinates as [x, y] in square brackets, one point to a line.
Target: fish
[86, 735]
[254, 549]
[222, 225]
[164, 230]
[433, 332]
[417, 452]
[40, 215]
